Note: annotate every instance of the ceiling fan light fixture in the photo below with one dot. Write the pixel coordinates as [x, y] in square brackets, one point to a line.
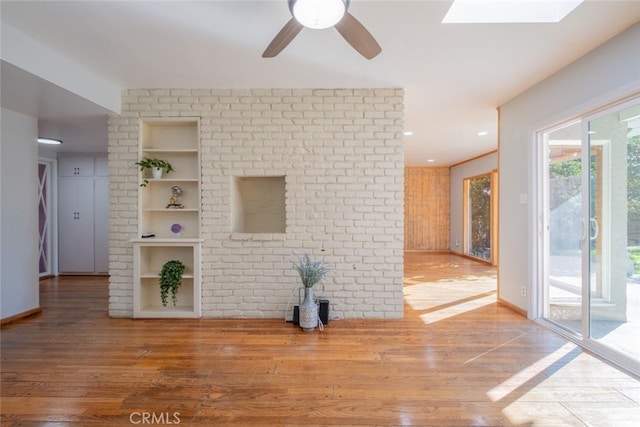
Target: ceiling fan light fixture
[318, 14]
[49, 141]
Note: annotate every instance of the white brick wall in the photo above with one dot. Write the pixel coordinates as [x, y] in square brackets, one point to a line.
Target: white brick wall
[342, 155]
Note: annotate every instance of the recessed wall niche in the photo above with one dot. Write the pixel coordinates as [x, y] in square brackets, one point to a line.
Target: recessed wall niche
[258, 204]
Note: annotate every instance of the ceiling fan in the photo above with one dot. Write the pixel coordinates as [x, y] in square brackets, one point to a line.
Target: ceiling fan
[319, 14]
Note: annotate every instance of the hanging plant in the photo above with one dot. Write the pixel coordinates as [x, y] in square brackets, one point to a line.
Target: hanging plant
[170, 280]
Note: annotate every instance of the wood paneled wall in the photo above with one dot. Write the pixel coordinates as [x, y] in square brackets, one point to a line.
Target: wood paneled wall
[426, 208]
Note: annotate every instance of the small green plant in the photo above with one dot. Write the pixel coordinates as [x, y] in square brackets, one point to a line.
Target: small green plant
[148, 163]
[311, 271]
[170, 280]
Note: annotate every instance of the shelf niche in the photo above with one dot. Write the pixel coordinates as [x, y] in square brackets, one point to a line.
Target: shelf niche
[169, 135]
[149, 257]
[258, 204]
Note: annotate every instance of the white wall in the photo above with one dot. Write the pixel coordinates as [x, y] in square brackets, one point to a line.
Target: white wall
[604, 75]
[458, 173]
[18, 214]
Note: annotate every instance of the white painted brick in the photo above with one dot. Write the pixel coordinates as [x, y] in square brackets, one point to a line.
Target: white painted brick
[342, 154]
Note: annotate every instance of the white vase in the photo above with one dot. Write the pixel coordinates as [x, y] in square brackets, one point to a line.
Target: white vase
[156, 173]
[308, 312]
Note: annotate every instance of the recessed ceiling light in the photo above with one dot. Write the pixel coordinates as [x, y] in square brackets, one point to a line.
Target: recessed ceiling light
[483, 133]
[508, 11]
[430, 160]
[49, 141]
[408, 133]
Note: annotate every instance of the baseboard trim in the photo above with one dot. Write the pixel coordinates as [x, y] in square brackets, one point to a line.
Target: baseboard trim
[85, 274]
[20, 316]
[430, 251]
[515, 308]
[473, 258]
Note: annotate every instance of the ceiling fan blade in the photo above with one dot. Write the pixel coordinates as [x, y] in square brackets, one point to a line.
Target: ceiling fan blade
[358, 36]
[283, 38]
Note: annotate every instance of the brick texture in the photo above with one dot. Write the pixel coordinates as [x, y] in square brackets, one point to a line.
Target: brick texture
[341, 153]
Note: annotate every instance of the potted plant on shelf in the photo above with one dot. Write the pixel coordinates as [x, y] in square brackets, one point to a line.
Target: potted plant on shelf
[157, 167]
[311, 271]
[170, 280]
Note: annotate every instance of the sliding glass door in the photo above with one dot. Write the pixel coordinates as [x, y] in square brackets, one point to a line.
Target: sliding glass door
[614, 284]
[591, 231]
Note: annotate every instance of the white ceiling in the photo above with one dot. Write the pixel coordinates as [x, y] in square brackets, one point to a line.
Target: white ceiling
[454, 75]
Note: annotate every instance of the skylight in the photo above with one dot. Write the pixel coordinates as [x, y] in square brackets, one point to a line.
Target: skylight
[508, 11]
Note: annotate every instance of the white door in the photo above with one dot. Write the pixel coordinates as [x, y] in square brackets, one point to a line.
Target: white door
[76, 230]
[75, 166]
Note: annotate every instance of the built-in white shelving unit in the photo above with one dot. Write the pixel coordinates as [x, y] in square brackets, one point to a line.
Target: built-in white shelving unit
[176, 230]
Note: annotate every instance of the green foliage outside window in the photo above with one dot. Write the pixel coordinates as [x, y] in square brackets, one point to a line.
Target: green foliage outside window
[480, 211]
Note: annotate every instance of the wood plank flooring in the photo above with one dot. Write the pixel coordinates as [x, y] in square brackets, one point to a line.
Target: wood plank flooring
[457, 359]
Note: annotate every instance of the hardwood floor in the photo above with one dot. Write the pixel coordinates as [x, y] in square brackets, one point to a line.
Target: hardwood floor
[457, 359]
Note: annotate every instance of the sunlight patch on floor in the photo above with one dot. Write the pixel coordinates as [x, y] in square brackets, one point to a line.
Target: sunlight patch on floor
[527, 397]
[457, 309]
[525, 375]
[438, 301]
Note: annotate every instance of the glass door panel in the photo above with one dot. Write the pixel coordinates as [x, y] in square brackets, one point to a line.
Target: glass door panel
[614, 230]
[563, 243]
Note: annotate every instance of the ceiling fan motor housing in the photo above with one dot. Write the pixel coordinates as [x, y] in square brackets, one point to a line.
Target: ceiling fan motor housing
[318, 19]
